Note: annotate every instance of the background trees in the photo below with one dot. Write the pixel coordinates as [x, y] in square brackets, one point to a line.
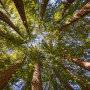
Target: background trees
[55, 32]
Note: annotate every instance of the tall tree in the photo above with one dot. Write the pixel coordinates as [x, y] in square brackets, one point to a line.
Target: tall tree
[7, 20]
[20, 7]
[82, 12]
[36, 80]
[5, 76]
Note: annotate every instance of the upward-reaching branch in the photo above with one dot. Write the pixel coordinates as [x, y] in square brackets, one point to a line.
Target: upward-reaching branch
[20, 7]
[7, 20]
[43, 7]
[82, 12]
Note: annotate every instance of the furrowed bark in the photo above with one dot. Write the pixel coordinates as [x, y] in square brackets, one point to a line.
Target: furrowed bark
[36, 80]
[43, 7]
[79, 81]
[20, 7]
[65, 84]
[7, 75]
[7, 20]
[82, 12]
[79, 62]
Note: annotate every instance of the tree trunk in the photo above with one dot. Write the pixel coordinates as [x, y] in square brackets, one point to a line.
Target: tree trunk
[20, 7]
[79, 81]
[79, 62]
[43, 7]
[4, 7]
[36, 80]
[7, 20]
[82, 12]
[65, 84]
[7, 75]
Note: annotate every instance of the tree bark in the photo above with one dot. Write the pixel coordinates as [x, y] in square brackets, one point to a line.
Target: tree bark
[43, 7]
[82, 12]
[79, 81]
[7, 75]
[65, 84]
[36, 80]
[79, 62]
[7, 20]
[20, 7]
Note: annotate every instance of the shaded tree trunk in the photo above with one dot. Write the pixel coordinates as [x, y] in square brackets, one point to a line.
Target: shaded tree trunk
[79, 81]
[65, 84]
[7, 20]
[20, 7]
[36, 80]
[82, 12]
[4, 7]
[7, 75]
[43, 7]
[79, 62]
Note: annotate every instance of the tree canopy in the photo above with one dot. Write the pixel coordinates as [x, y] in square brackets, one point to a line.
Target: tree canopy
[44, 44]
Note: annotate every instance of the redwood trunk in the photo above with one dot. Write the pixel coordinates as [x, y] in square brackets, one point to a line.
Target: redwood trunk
[36, 80]
[20, 7]
[7, 20]
[7, 75]
[79, 62]
[65, 84]
[82, 12]
[43, 7]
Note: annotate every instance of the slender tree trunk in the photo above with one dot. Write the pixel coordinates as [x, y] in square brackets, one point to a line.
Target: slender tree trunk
[7, 75]
[6, 36]
[20, 7]
[82, 12]
[79, 62]
[79, 81]
[4, 7]
[7, 20]
[65, 84]
[43, 7]
[36, 80]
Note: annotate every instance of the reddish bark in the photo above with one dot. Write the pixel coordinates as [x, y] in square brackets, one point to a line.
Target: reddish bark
[20, 7]
[43, 7]
[7, 20]
[7, 75]
[36, 80]
[82, 12]
[79, 62]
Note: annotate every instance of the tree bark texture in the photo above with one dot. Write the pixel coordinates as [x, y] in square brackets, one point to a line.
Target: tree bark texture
[7, 75]
[20, 7]
[7, 20]
[36, 80]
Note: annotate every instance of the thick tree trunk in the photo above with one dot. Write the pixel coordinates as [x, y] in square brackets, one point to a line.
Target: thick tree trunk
[7, 74]
[43, 7]
[79, 62]
[79, 81]
[7, 20]
[82, 12]
[36, 80]
[20, 7]
[65, 84]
